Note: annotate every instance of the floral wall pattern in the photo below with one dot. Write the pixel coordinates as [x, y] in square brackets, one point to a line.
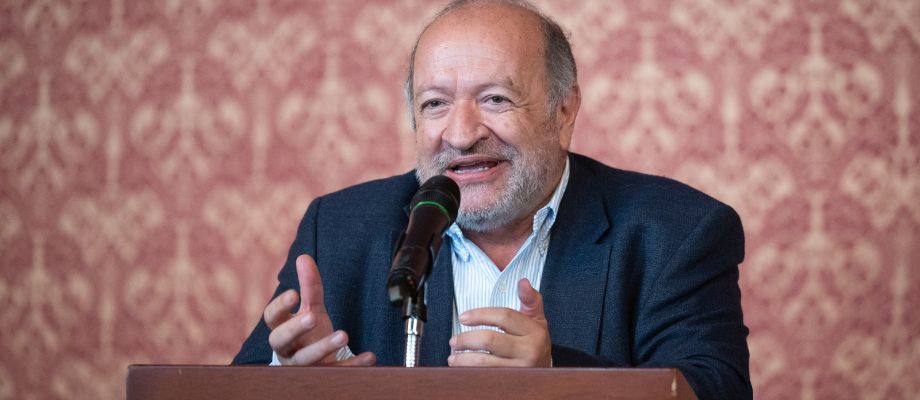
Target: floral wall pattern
[156, 156]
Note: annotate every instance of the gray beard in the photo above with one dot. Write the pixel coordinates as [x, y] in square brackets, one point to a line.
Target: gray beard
[528, 184]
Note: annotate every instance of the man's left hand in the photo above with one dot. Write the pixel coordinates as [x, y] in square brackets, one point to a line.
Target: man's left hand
[524, 343]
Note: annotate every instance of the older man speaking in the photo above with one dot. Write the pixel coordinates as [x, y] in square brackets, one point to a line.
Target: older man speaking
[554, 259]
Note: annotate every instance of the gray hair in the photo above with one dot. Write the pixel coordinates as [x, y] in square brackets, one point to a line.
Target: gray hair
[561, 72]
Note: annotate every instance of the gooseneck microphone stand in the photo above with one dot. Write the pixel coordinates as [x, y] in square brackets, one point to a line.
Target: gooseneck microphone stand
[416, 314]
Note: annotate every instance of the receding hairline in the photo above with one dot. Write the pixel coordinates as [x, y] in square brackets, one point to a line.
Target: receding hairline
[459, 5]
[464, 6]
[467, 7]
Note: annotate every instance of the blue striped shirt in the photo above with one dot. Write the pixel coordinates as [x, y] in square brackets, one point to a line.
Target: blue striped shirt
[477, 280]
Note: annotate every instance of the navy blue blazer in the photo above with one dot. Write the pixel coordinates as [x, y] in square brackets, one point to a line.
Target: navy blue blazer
[641, 271]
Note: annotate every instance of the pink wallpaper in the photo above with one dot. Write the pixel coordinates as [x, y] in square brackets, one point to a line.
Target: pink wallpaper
[156, 156]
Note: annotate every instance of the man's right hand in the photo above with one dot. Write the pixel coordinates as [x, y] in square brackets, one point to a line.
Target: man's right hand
[307, 338]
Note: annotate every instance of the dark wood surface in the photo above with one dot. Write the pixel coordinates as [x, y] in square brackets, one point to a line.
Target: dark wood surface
[180, 382]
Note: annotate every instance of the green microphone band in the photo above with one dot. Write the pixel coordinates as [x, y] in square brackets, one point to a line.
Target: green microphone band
[440, 207]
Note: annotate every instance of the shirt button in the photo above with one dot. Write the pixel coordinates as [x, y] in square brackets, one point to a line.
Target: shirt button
[502, 287]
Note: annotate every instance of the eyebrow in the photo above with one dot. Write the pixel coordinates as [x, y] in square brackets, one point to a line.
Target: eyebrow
[506, 83]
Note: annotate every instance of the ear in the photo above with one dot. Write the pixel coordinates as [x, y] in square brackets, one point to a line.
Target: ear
[566, 116]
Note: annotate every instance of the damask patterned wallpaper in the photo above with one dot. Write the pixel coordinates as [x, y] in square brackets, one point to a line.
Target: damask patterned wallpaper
[156, 156]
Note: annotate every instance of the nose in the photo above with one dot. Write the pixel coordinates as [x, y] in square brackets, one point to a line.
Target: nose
[465, 126]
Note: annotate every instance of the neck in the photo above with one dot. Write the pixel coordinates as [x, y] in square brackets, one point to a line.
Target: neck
[502, 243]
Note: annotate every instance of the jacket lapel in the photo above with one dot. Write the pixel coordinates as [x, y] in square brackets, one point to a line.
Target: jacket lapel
[575, 273]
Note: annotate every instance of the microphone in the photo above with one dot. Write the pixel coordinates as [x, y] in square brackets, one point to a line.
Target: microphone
[433, 208]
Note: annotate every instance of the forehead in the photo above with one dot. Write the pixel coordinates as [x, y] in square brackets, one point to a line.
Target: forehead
[480, 38]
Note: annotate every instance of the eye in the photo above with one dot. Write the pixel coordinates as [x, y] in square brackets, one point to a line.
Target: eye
[496, 99]
[432, 104]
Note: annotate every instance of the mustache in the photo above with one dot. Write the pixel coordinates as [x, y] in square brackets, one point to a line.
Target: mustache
[488, 148]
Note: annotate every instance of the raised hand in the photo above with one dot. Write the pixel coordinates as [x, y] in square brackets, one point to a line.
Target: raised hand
[524, 343]
[307, 337]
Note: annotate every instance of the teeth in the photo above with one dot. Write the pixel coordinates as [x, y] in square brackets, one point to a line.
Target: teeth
[467, 170]
[474, 167]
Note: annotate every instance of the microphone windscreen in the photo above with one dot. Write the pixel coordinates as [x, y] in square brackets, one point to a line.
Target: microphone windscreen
[439, 191]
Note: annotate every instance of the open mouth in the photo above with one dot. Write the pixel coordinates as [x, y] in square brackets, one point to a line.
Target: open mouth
[472, 167]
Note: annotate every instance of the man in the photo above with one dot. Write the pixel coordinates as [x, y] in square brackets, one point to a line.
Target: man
[554, 260]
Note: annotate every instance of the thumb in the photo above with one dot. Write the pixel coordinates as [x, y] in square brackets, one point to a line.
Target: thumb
[531, 300]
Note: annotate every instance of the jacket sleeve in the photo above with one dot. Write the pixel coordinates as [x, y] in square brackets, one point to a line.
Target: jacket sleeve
[689, 315]
[255, 349]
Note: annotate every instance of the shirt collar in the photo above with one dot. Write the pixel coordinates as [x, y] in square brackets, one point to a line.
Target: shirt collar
[543, 220]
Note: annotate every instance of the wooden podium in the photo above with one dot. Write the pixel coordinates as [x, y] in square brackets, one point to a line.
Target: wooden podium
[180, 382]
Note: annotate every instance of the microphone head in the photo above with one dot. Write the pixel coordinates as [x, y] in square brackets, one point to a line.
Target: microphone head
[441, 192]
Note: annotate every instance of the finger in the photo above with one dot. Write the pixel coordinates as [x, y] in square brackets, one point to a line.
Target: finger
[325, 348]
[279, 309]
[531, 300]
[283, 339]
[471, 359]
[311, 287]
[366, 359]
[499, 344]
[511, 321]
